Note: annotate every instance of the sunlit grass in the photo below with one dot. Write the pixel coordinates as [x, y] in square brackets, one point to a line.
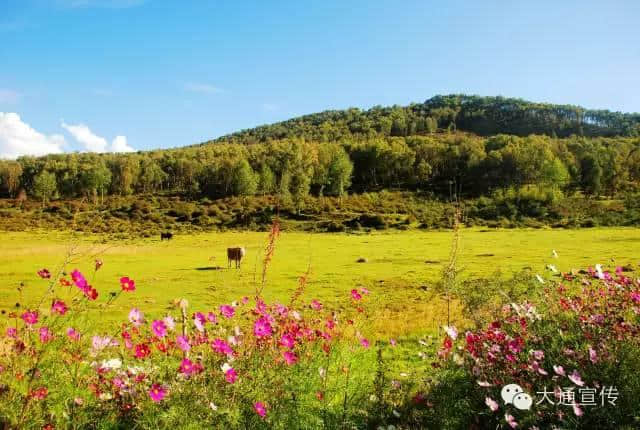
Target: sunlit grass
[401, 269]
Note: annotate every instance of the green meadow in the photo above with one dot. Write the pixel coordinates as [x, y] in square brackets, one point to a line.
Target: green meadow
[401, 268]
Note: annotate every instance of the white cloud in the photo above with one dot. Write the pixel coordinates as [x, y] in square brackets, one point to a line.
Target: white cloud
[202, 88]
[120, 144]
[94, 143]
[18, 138]
[9, 96]
[85, 136]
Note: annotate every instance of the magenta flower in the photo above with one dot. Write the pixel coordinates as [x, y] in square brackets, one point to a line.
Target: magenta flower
[576, 378]
[59, 307]
[136, 317]
[127, 284]
[511, 420]
[260, 408]
[355, 295]
[593, 355]
[12, 332]
[290, 357]
[231, 375]
[30, 317]
[364, 342]
[157, 393]
[73, 334]
[222, 347]
[188, 367]
[212, 318]
[199, 320]
[183, 343]
[559, 370]
[79, 279]
[262, 328]
[159, 328]
[635, 296]
[493, 405]
[287, 341]
[227, 311]
[44, 274]
[316, 305]
[45, 334]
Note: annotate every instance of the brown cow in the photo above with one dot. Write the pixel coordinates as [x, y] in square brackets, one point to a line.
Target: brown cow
[235, 254]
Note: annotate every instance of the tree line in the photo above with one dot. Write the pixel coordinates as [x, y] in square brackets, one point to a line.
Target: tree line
[293, 168]
[484, 116]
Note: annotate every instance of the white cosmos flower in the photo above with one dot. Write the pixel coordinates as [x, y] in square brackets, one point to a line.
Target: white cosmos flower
[113, 363]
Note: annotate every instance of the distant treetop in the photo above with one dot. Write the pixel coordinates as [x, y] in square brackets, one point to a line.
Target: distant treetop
[483, 116]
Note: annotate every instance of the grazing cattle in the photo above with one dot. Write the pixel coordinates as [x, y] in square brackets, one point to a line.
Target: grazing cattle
[166, 235]
[235, 254]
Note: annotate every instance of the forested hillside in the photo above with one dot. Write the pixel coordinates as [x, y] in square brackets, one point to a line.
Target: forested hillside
[468, 145]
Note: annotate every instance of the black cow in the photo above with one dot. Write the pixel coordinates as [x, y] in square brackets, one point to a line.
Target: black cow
[166, 235]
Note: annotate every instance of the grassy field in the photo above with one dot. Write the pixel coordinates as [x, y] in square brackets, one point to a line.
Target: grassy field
[400, 270]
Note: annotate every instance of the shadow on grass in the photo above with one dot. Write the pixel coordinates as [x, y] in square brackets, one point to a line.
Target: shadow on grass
[209, 268]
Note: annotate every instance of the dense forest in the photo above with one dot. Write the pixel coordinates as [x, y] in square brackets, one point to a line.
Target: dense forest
[465, 145]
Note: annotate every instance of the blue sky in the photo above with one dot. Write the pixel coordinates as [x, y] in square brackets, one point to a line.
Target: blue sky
[171, 73]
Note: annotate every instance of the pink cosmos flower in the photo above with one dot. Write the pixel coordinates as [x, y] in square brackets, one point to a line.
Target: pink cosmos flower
[538, 354]
[364, 342]
[127, 284]
[355, 295]
[183, 343]
[136, 317]
[576, 378]
[141, 351]
[451, 331]
[593, 355]
[511, 420]
[316, 305]
[45, 334]
[98, 343]
[493, 405]
[222, 347]
[159, 328]
[30, 317]
[73, 334]
[79, 279]
[290, 358]
[262, 328]
[231, 375]
[189, 368]
[287, 341]
[577, 410]
[227, 311]
[12, 332]
[364, 291]
[635, 296]
[393, 342]
[199, 320]
[59, 307]
[260, 408]
[44, 274]
[169, 322]
[559, 370]
[157, 393]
